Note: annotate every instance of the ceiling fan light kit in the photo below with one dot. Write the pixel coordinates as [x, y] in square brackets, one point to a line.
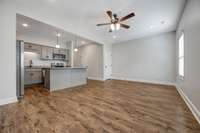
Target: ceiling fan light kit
[115, 22]
[115, 27]
[112, 27]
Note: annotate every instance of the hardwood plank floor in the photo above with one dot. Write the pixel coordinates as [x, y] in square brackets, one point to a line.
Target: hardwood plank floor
[100, 107]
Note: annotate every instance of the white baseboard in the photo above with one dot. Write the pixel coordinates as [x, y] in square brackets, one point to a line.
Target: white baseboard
[189, 103]
[96, 78]
[145, 81]
[8, 100]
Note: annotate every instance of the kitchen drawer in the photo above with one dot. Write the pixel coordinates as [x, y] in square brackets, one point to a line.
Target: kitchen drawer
[32, 77]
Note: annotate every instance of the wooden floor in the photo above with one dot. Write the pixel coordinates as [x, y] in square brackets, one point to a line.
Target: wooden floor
[100, 107]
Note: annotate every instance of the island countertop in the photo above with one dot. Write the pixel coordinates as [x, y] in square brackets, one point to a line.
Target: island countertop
[53, 68]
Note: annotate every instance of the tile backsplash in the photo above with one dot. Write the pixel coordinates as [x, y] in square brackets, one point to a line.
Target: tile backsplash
[35, 57]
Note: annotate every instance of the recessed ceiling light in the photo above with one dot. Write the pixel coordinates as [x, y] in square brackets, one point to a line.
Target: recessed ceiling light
[151, 27]
[114, 37]
[83, 42]
[25, 25]
[58, 35]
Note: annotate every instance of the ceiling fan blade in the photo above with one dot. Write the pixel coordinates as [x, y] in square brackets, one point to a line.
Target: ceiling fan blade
[125, 26]
[127, 17]
[109, 14]
[103, 24]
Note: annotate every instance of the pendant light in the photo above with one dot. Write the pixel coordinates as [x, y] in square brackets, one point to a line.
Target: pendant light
[76, 45]
[57, 41]
[115, 27]
[76, 49]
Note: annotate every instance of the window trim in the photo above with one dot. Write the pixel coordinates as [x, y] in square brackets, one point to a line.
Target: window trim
[181, 77]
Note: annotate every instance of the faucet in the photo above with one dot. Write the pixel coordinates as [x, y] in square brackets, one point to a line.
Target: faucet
[31, 63]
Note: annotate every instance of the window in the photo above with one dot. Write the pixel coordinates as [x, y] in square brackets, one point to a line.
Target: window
[181, 56]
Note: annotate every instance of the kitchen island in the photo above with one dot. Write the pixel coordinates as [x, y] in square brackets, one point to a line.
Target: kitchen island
[57, 78]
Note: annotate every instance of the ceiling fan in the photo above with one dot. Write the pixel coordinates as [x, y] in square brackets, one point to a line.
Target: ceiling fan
[115, 22]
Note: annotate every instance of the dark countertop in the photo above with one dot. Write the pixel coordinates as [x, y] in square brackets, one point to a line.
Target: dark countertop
[62, 68]
[53, 68]
[36, 67]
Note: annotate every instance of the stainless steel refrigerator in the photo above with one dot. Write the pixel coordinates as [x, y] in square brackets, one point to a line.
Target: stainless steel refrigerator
[20, 68]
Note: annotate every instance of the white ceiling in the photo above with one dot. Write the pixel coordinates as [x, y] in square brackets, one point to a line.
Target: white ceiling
[44, 34]
[149, 14]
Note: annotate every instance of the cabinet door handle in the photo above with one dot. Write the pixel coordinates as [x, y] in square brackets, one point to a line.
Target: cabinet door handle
[30, 46]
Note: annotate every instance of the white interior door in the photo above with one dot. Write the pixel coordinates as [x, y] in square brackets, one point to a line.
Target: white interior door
[108, 62]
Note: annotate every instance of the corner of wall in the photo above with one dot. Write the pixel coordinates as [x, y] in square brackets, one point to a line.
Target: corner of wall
[189, 103]
[145, 81]
[96, 78]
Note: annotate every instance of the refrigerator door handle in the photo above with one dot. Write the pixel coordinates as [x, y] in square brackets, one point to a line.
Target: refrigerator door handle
[20, 68]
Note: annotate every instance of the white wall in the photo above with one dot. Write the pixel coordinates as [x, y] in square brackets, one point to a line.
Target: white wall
[7, 54]
[90, 56]
[190, 24]
[149, 59]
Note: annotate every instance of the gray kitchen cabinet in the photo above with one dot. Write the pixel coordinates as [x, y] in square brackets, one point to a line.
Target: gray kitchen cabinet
[47, 53]
[50, 53]
[27, 78]
[30, 47]
[68, 57]
[56, 51]
[59, 51]
[32, 76]
[63, 51]
[67, 53]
